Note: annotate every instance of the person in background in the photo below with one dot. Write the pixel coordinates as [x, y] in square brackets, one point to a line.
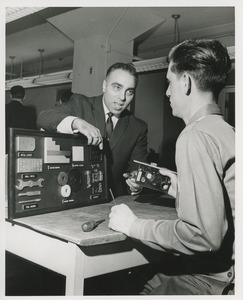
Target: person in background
[65, 97]
[204, 185]
[106, 120]
[17, 114]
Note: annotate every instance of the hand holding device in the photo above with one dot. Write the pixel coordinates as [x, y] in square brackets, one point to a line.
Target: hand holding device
[149, 176]
[173, 179]
[131, 182]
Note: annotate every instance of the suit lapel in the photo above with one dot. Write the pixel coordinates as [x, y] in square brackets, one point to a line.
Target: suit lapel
[119, 130]
[99, 118]
[99, 114]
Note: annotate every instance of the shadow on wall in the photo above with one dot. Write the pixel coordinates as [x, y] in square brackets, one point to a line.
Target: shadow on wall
[153, 157]
[172, 128]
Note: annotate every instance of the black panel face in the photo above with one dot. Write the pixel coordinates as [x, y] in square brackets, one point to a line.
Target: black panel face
[53, 171]
[149, 176]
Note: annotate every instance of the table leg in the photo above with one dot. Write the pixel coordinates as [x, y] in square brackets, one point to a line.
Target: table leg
[75, 272]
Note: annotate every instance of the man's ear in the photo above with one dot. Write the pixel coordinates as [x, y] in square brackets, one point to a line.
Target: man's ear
[187, 84]
[104, 86]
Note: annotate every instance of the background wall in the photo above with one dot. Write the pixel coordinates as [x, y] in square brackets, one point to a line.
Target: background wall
[149, 106]
[152, 106]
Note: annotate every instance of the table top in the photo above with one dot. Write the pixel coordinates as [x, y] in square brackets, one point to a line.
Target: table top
[66, 224]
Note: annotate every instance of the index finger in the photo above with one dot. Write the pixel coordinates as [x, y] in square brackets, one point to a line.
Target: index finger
[100, 141]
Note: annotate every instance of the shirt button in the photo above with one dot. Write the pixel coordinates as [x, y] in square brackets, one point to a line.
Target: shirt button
[229, 274]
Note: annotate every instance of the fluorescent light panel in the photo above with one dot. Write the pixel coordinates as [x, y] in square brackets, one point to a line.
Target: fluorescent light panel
[24, 82]
[43, 80]
[14, 13]
[54, 78]
[151, 64]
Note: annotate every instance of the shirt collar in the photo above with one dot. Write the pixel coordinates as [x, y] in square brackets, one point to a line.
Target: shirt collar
[17, 99]
[106, 110]
[208, 109]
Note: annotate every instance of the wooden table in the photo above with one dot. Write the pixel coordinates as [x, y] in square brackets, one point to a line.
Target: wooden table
[57, 242]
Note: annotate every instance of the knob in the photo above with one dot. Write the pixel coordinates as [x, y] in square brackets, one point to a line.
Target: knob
[62, 178]
[65, 191]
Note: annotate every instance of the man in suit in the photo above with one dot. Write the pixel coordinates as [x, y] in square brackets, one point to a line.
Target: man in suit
[127, 138]
[17, 114]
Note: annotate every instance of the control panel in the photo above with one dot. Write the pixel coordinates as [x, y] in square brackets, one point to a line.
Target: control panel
[53, 171]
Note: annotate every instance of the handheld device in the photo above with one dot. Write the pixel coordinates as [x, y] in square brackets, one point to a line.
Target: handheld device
[148, 176]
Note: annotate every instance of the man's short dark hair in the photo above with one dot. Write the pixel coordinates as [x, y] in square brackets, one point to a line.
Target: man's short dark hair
[206, 60]
[18, 92]
[129, 67]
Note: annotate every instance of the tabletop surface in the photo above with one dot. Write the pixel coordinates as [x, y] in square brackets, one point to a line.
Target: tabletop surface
[66, 224]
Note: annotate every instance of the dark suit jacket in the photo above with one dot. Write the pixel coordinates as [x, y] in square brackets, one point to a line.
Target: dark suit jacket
[128, 141]
[19, 116]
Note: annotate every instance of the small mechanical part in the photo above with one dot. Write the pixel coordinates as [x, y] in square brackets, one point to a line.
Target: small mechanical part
[65, 191]
[75, 180]
[29, 194]
[62, 178]
[30, 183]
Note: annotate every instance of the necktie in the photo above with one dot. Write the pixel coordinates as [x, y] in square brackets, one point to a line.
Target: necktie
[109, 125]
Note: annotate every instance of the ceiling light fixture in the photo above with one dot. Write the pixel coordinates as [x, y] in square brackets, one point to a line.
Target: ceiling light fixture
[14, 13]
[151, 64]
[176, 29]
[26, 82]
[62, 77]
[12, 66]
[41, 61]
[54, 78]
[21, 68]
